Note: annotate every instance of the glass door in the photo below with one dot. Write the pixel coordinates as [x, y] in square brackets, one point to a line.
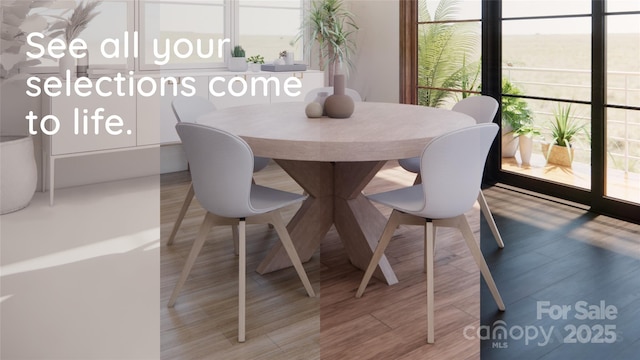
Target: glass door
[623, 101]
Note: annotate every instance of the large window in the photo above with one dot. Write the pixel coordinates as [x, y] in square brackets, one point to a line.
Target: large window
[546, 67]
[555, 66]
[177, 34]
[448, 46]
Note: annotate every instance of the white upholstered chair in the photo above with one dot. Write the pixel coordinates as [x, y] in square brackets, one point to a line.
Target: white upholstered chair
[221, 172]
[329, 90]
[451, 169]
[188, 109]
[482, 108]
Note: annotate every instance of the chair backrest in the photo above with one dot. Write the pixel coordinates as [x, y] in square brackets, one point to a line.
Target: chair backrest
[451, 168]
[329, 90]
[189, 108]
[221, 169]
[482, 108]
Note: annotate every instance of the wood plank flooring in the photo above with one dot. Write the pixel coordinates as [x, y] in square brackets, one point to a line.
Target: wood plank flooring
[560, 256]
[546, 243]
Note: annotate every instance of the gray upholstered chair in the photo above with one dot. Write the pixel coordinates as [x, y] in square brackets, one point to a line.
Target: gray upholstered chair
[451, 169]
[482, 108]
[188, 109]
[221, 171]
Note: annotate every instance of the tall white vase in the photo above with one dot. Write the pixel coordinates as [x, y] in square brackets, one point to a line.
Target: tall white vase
[67, 63]
[526, 147]
[19, 175]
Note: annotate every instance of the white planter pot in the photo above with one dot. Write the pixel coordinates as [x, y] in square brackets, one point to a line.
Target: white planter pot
[526, 148]
[509, 145]
[19, 175]
[238, 64]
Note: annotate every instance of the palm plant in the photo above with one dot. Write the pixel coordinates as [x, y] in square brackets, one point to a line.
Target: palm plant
[71, 27]
[332, 28]
[565, 126]
[443, 51]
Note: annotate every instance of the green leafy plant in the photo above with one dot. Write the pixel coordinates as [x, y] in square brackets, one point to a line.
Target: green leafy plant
[332, 28]
[515, 110]
[565, 126]
[444, 50]
[256, 59]
[237, 51]
[528, 130]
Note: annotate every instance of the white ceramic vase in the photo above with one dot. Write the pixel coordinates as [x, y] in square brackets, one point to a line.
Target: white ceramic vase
[525, 144]
[67, 63]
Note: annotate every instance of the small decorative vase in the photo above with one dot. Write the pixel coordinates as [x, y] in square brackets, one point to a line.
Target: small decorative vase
[83, 65]
[67, 63]
[339, 105]
[289, 59]
[321, 98]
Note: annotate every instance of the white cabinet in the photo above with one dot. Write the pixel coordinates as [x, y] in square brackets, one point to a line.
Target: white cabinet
[72, 111]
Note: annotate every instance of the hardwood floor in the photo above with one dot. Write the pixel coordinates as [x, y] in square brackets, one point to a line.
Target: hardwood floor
[553, 253]
[561, 256]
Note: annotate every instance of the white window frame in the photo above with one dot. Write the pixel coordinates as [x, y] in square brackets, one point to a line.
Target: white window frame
[135, 25]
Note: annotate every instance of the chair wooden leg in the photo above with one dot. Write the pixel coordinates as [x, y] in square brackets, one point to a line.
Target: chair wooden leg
[235, 235]
[467, 233]
[183, 212]
[429, 235]
[435, 236]
[191, 259]
[385, 238]
[285, 238]
[489, 217]
[242, 279]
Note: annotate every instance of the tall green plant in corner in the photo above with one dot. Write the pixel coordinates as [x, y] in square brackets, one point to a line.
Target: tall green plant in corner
[331, 27]
[444, 49]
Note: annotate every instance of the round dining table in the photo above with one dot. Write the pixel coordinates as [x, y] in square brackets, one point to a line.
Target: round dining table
[333, 160]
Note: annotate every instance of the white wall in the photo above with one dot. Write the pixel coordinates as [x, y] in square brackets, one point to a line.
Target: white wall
[377, 63]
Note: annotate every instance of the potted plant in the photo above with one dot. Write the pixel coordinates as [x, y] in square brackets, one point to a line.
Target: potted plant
[515, 114]
[19, 175]
[287, 57]
[70, 28]
[563, 129]
[331, 28]
[237, 62]
[525, 135]
[255, 62]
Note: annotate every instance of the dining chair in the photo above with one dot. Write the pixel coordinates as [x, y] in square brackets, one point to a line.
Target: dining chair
[482, 108]
[188, 109]
[221, 171]
[449, 189]
[329, 90]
